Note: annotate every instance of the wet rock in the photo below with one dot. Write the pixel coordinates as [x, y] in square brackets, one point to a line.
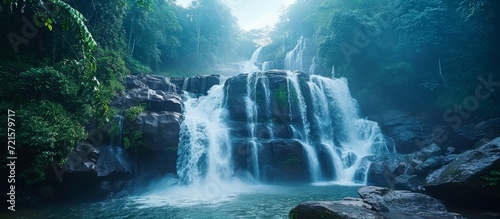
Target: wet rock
[376, 202]
[287, 161]
[407, 182]
[156, 100]
[349, 208]
[405, 204]
[83, 158]
[384, 169]
[468, 173]
[133, 82]
[112, 161]
[406, 130]
[429, 165]
[198, 85]
[431, 151]
[160, 131]
[153, 82]
[467, 136]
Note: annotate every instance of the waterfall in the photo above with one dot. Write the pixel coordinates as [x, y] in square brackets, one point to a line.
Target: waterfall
[312, 68]
[293, 59]
[251, 112]
[320, 113]
[314, 166]
[256, 55]
[268, 65]
[204, 148]
[347, 137]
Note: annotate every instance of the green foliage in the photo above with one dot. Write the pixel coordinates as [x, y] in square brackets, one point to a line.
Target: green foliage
[112, 70]
[387, 46]
[46, 133]
[137, 68]
[281, 95]
[397, 76]
[132, 113]
[132, 139]
[292, 161]
[492, 179]
[44, 84]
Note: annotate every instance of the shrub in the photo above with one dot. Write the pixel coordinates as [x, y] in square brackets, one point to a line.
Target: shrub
[46, 132]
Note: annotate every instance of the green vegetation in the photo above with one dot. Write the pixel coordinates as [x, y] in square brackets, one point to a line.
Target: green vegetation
[291, 162]
[47, 133]
[492, 179]
[281, 95]
[417, 55]
[132, 113]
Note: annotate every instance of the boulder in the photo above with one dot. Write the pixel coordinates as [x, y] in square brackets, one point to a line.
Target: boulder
[285, 160]
[156, 100]
[404, 204]
[133, 82]
[153, 82]
[83, 158]
[348, 208]
[406, 130]
[113, 161]
[409, 182]
[431, 151]
[376, 202]
[160, 131]
[466, 137]
[471, 173]
[429, 165]
[385, 168]
[198, 85]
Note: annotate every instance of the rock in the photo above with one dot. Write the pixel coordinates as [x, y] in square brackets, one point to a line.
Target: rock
[406, 130]
[385, 168]
[153, 82]
[468, 173]
[431, 151]
[235, 99]
[133, 82]
[349, 208]
[198, 85]
[376, 202]
[407, 182]
[449, 158]
[83, 158]
[156, 100]
[160, 131]
[112, 161]
[429, 165]
[286, 161]
[404, 204]
[467, 136]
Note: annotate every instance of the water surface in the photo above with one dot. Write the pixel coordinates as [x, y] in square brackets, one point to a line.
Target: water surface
[204, 201]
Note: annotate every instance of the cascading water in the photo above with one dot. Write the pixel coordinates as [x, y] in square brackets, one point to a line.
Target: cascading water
[266, 66]
[204, 147]
[293, 59]
[251, 111]
[322, 116]
[292, 79]
[256, 55]
[347, 137]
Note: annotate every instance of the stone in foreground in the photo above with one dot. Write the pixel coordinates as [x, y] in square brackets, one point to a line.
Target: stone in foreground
[348, 208]
[376, 202]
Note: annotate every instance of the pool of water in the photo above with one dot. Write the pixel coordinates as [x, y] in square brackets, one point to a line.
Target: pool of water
[233, 200]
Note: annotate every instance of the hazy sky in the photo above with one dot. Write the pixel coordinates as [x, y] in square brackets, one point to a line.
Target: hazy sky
[253, 14]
